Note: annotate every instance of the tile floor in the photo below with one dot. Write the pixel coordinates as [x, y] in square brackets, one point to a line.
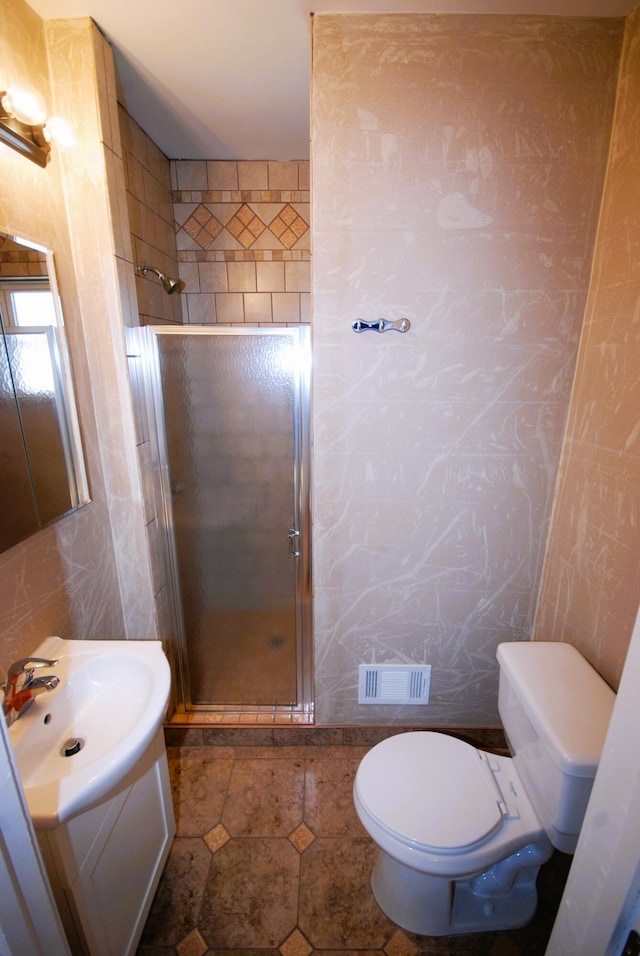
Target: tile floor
[270, 856]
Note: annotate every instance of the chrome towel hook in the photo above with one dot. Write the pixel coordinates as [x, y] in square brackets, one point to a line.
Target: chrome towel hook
[381, 325]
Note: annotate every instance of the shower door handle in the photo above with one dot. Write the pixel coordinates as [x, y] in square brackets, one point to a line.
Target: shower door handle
[293, 534]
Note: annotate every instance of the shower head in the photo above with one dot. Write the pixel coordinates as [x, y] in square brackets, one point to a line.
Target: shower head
[169, 285]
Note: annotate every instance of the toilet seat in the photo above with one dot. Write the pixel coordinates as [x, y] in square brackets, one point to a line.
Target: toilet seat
[431, 791]
[440, 806]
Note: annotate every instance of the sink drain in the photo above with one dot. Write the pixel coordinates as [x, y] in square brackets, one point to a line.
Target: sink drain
[72, 746]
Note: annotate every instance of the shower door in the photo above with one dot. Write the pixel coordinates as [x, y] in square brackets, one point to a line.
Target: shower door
[232, 409]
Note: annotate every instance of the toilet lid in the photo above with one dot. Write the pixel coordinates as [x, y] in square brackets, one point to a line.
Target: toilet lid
[430, 789]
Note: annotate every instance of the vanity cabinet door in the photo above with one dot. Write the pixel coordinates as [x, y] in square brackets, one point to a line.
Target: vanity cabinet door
[108, 860]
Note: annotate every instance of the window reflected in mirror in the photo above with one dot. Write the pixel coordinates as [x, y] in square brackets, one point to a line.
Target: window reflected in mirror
[42, 472]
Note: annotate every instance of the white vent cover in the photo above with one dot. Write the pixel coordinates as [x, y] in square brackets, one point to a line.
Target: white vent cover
[394, 683]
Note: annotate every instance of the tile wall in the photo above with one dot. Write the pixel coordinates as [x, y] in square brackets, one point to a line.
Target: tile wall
[82, 576]
[243, 238]
[458, 171]
[591, 582]
[147, 185]
[15, 260]
[150, 210]
[377, 548]
[85, 83]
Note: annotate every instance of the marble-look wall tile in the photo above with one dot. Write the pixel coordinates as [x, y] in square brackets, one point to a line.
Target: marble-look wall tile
[93, 180]
[62, 580]
[458, 166]
[591, 582]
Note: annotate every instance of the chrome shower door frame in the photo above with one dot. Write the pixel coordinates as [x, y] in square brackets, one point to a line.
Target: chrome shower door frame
[300, 544]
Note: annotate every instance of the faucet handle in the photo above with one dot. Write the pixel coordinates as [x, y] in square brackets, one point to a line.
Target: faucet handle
[26, 664]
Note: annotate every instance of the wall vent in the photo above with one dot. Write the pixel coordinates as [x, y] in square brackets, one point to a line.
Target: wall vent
[394, 683]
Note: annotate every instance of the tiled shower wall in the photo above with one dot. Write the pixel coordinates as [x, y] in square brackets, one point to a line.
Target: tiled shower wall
[149, 204]
[247, 242]
[236, 233]
[458, 171]
[147, 183]
[591, 583]
[243, 237]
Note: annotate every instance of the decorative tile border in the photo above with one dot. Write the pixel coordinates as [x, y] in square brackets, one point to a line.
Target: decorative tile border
[243, 237]
[279, 224]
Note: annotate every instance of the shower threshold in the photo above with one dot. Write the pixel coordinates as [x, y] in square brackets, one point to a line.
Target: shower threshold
[242, 716]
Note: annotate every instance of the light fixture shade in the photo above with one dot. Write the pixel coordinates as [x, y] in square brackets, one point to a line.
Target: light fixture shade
[22, 135]
[25, 105]
[59, 132]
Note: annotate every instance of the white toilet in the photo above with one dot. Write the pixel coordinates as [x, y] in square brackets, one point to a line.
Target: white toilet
[462, 832]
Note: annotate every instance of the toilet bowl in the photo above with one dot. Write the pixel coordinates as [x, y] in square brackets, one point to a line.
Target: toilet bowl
[462, 833]
[449, 819]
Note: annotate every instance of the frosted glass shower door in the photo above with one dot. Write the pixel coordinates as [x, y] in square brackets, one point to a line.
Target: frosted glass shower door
[233, 406]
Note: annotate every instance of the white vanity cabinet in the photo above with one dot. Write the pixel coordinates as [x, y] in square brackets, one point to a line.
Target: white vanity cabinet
[105, 863]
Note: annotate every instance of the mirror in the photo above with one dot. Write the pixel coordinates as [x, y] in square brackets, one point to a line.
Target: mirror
[42, 471]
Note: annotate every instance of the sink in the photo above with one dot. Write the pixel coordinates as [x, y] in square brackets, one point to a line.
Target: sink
[106, 710]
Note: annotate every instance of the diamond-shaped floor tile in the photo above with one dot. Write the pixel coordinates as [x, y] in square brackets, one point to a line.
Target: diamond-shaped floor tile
[296, 945]
[400, 945]
[301, 838]
[192, 945]
[216, 838]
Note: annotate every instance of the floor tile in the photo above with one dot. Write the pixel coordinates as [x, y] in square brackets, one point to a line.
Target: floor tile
[174, 912]
[337, 908]
[328, 799]
[301, 837]
[192, 945]
[265, 797]
[217, 837]
[199, 786]
[296, 945]
[251, 897]
[271, 860]
[400, 945]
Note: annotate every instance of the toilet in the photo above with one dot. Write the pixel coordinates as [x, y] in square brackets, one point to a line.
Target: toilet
[462, 832]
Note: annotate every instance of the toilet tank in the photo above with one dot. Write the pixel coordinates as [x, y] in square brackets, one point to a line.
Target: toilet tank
[555, 709]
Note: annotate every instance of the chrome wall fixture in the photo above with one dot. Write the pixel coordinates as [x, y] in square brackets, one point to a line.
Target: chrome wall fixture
[169, 285]
[22, 125]
[381, 325]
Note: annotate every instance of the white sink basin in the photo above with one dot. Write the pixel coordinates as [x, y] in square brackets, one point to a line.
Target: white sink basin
[112, 696]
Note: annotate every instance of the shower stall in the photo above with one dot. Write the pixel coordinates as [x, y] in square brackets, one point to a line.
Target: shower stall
[231, 408]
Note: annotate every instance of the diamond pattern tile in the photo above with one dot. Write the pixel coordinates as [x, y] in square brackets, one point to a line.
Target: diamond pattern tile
[288, 226]
[296, 945]
[216, 838]
[203, 226]
[192, 945]
[301, 838]
[400, 945]
[245, 226]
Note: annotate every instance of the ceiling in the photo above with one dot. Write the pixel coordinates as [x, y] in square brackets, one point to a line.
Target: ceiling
[229, 79]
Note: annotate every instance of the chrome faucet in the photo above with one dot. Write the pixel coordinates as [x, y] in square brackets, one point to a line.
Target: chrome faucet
[22, 687]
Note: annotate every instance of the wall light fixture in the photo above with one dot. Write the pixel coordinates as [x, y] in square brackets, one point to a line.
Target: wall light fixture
[22, 119]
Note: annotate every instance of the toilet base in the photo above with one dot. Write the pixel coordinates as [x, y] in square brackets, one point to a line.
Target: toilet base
[505, 897]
